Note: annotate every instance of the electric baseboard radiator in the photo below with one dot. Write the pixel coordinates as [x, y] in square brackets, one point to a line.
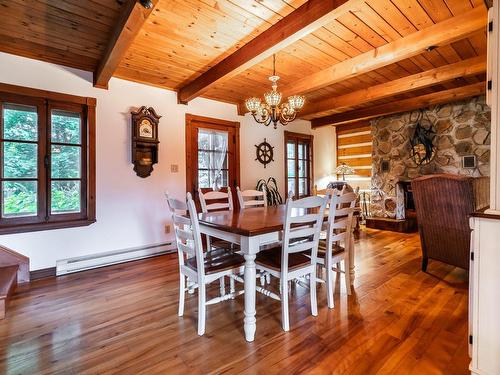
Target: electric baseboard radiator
[65, 266]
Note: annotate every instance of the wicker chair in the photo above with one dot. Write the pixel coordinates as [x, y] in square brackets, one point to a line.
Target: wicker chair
[443, 203]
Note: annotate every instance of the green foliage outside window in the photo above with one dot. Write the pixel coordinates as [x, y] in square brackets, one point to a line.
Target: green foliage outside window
[20, 161]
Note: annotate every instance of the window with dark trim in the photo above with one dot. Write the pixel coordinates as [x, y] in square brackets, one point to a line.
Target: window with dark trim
[47, 160]
[298, 164]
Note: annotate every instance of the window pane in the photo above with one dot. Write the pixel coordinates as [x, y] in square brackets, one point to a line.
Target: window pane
[203, 140]
[225, 178]
[291, 185]
[203, 159]
[19, 198]
[65, 161]
[20, 122]
[302, 168]
[65, 197]
[66, 127]
[302, 186]
[291, 168]
[290, 150]
[302, 152]
[20, 160]
[203, 180]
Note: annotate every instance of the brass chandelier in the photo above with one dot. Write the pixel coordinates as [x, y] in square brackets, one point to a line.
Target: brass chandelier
[272, 111]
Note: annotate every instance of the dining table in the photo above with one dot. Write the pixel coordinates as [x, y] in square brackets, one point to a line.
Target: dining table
[252, 229]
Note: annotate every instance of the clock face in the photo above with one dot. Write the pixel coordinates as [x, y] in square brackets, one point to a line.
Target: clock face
[146, 129]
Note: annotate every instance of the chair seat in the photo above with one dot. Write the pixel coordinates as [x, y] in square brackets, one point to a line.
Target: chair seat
[272, 259]
[336, 249]
[218, 260]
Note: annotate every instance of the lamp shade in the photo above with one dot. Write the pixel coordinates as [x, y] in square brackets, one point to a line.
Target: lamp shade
[344, 169]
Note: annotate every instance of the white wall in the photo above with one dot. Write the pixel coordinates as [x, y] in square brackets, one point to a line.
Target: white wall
[130, 210]
[325, 155]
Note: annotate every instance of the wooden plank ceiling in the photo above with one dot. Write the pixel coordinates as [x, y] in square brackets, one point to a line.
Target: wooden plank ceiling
[181, 40]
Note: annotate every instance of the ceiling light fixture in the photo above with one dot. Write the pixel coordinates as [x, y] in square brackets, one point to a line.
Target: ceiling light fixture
[271, 110]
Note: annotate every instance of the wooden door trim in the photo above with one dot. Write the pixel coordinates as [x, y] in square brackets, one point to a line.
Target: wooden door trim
[216, 124]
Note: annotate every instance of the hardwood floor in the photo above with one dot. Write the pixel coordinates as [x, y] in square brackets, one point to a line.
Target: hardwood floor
[123, 319]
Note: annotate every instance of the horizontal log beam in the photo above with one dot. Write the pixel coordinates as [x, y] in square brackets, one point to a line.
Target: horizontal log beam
[302, 21]
[132, 17]
[465, 68]
[441, 97]
[440, 34]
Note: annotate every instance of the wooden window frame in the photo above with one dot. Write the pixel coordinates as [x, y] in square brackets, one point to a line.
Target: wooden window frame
[297, 137]
[45, 101]
[192, 149]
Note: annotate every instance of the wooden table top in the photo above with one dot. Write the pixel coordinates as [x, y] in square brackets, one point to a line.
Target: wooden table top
[250, 221]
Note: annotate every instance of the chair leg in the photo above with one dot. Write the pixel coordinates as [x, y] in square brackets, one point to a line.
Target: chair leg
[347, 275]
[268, 278]
[262, 279]
[231, 285]
[284, 305]
[312, 290]
[329, 287]
[425, 261]
[222, 286]
[182, 294]
[201, 309]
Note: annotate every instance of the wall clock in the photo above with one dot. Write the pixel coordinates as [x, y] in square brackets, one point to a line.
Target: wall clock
[264, 152]
[144, 140]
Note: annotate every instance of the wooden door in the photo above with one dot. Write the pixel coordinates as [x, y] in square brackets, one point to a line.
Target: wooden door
[200, 135]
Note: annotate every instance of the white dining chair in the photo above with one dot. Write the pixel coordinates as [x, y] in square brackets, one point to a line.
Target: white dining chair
[335, 242]
[218, 196]
[251, 198]
[198, 268]
[301, 230]
[223, 201]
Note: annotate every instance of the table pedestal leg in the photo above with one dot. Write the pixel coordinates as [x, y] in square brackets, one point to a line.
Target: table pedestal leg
[250, 321]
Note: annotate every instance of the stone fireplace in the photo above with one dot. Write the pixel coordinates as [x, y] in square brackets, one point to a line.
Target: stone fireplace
[462, 129]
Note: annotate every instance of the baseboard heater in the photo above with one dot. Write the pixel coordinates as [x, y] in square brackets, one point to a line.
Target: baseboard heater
[87, 262]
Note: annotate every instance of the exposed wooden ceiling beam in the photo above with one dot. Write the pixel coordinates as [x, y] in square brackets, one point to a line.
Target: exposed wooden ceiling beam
[440, 34]
[301, 22]
[132, 18]
[465, 68]
[405, 105]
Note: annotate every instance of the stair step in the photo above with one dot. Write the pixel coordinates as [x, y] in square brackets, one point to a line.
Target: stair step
[8, 282]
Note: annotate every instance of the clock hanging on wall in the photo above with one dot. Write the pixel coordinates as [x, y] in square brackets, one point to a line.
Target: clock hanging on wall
[144, 140]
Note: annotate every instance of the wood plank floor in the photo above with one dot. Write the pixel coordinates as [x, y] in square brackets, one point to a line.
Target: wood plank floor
[123, 319]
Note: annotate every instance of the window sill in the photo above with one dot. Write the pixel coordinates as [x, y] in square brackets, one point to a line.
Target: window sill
[23, 228]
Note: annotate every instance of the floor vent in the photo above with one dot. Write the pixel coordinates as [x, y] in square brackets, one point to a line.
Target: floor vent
[87, 262]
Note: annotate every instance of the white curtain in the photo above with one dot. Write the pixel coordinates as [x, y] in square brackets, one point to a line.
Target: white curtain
[219, 145]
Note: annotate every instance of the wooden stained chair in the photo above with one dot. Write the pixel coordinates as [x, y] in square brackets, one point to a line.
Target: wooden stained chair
[301, 231]
[198, 268]
[251, 198]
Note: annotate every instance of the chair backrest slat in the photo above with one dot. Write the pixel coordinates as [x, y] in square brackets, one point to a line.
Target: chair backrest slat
[247, 198]
[304, 219]
[340, 217]
[215, 196]
[187, 231]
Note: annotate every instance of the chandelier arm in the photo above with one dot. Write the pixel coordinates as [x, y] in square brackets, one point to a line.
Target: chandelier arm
[260, 121]
[285, 118]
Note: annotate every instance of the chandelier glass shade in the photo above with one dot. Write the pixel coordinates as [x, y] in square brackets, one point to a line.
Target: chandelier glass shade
[271, 111]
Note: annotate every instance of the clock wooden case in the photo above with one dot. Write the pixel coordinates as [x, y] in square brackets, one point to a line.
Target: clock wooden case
[144, 140]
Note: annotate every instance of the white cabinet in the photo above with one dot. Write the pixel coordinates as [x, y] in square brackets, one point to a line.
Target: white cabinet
[484, 278]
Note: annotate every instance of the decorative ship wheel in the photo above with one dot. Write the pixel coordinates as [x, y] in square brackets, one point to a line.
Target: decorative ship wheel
[264, 153]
